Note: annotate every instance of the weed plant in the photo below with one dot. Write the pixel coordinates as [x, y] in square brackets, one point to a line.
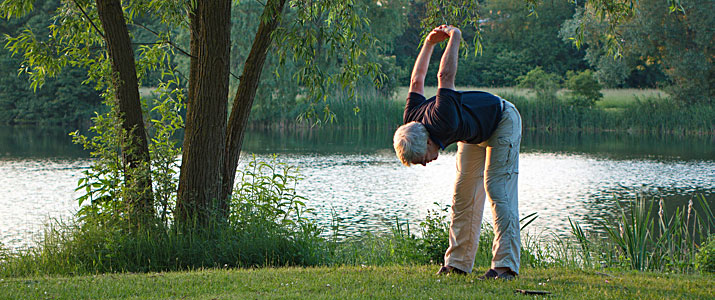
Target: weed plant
[705, 258]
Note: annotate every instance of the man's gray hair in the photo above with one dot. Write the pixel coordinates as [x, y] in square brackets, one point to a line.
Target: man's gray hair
[410, 142]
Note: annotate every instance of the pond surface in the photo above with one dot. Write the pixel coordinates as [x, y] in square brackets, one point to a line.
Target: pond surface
[353, 177]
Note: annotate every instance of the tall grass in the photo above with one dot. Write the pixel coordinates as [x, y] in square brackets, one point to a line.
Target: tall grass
[621, 110]
[639, 240]
[368, 109]
[644, 116]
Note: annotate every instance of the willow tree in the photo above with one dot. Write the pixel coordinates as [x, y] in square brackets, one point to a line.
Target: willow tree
[96, 35]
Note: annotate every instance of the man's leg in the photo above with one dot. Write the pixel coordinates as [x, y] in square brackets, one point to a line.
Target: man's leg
[501, 181]
[467, 207]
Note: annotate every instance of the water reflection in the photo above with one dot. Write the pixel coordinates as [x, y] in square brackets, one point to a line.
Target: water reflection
[369, 191]
[37, 142]
[563, 174]
[622, 145]
[354, 176]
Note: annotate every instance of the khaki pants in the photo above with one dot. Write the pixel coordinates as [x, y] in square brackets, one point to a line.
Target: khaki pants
[487, 170]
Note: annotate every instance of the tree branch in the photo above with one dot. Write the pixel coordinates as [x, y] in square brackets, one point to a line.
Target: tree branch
[89, 19]
[172, 44]
[168, 41]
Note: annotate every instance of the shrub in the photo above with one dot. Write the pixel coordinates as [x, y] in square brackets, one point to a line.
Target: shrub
[705, 258]
[544, 84]
[585, 89]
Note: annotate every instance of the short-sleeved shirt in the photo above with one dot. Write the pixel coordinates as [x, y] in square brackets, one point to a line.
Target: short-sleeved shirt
[453, 116]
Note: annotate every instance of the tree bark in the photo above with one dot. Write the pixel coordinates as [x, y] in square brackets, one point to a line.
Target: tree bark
[199, 194]
[245, 94]
[135, 150]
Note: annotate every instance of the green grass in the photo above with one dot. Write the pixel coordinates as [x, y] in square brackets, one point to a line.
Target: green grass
[621, 98]
[413, 282]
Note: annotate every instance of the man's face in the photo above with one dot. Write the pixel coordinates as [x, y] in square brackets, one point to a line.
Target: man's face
[431, 154]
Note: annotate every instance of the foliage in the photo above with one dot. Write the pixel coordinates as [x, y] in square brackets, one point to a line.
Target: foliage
[266, 193]
[513, 37]
[65, 99]
[682, 41]
[166, 123]
[327, 56]
[494, 68]
[585, 90]
[529, 32]
[104, 197]
[544, 84]
[634, 111]
[656, 43]
[705, 258]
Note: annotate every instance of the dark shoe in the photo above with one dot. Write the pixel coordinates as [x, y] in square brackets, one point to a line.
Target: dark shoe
[444, 270]
[490, 274]
[508, 275]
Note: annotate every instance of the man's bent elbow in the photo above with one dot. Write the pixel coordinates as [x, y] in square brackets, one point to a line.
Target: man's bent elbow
[446, 75]
[417, 84]
[446, 79]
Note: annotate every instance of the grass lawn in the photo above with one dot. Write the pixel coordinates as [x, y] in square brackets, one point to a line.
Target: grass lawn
[415, 282]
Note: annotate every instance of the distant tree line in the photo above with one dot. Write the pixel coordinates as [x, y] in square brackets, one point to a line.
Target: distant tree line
[658, 47]
[63, 99]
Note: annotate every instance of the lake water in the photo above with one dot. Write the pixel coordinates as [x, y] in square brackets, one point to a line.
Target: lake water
[354, 176]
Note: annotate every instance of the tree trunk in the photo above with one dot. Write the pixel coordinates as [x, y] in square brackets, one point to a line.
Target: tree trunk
[245, 94]
[199, 195]
[135, 150]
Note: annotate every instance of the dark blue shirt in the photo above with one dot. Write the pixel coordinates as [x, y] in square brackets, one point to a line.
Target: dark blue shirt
[454, 116]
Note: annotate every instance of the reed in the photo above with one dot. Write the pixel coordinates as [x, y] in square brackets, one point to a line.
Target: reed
[645, 116]
[621, 110]
[366, 109]
[639, 240]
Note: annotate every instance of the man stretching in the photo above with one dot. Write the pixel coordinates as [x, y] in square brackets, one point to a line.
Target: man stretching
[487, 130]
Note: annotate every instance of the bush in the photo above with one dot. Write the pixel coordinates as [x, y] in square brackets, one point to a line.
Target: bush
[585, 89]
[705, 258]
[544, 84]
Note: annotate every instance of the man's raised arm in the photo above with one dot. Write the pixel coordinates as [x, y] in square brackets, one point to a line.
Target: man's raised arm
[448, 64]
[417, 81]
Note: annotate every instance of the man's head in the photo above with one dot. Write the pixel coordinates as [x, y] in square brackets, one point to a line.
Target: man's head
[413, 145]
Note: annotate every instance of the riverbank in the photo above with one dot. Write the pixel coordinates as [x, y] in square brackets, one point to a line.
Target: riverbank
[415, 282]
